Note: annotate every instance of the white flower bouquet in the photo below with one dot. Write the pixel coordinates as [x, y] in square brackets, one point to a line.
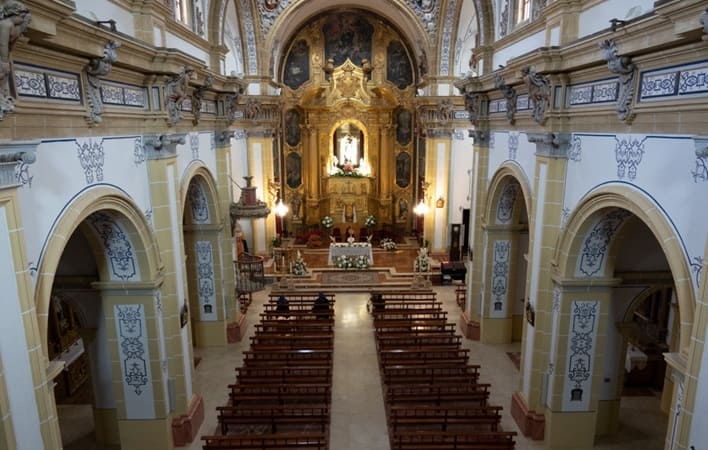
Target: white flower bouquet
[388, 244]
[327, 222]
[352, 262]
[369, 221]
[361, 262]
[421, 262]
[343, 262]
[298, 267]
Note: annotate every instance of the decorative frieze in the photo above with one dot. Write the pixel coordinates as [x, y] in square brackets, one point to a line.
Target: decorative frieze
[625, 69]
[96, 68]
[582, 337]
[680, 82]
[41, 82]
[509, 94]
[593, 93]
[120, 94]
[15, 20]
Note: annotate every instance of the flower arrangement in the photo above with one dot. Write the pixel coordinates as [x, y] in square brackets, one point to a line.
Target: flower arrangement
[298, 267]
[327, 222]
[369, 221]
[421, 262]
[276, 241]
[388, 244]
[348, 170]
[352, 262]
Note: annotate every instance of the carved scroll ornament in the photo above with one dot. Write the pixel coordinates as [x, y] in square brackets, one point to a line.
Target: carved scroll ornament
[509, 94]
[539, 88]
[99, 67]
[624, 68]
[176, 92]
[14, 21]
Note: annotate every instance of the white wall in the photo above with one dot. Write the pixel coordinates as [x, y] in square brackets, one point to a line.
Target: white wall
[459, 195]
[532, 42]
[106, 10]
[699, 432]
[598, 17]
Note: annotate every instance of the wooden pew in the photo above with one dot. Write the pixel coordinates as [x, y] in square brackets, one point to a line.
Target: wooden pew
[412, 313]
[283, 375]
[444, 418]
[433, 374]
[280, 441]
[305, 314]
[426, 355]
[276, 417]
[280, 394]
[295, 326]
[389, 341]
[412, 324]
[442, 394]
[452, 440]
[288, 358]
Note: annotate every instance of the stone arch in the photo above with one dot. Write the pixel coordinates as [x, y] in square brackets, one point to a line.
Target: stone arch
[508, 173]
[112, 213]
[604, 210]
[198, 188]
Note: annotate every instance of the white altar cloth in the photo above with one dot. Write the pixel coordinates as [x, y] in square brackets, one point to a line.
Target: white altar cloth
[355, 249]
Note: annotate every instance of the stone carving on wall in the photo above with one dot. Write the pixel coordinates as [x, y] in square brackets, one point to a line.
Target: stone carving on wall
[504, 19]
[99, 67]
[536, 8]
[509, 94]
[176, 93]
[700, 173]
[14, 20]
[704, 22]
[473, 105]
[539, 88]
[625, 69]
[198, 96]
[231, 110]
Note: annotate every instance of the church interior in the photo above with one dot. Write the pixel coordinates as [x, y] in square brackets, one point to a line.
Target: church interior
[380, 225]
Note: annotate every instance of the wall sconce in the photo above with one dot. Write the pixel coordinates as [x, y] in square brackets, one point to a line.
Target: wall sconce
[440, 202]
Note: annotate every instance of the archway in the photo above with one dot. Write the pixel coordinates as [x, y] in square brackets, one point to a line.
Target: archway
[202, 228]
[506, 237]
[618, 252]
[101, 262]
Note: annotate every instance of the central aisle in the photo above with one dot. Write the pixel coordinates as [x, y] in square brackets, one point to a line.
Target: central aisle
[358, 419]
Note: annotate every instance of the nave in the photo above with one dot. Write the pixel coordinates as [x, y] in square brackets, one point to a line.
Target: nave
[357, 416]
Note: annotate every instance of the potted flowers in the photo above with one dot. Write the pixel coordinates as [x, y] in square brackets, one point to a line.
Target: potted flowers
[298, 267]
[360, 262]
[421, 262]
[327, 222]
[388, 244]
[370, 221]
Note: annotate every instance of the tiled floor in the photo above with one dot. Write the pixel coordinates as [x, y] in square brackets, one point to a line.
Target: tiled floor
[358, 421]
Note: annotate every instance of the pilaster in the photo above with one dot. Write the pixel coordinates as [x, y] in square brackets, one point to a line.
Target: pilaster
[260, 167]
[437, 173]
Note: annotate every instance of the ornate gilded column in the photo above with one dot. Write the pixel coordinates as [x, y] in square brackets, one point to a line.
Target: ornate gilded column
[386, 155]
[312, 175]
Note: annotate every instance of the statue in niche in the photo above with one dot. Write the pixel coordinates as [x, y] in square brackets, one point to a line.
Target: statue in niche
[14, 21]
[295, 203]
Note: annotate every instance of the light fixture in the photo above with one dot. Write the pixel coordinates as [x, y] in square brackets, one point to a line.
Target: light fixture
[420, 209]
[440, 202]
[280, 209]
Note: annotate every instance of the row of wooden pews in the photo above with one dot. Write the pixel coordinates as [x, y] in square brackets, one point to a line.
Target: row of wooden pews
[433, 395]
[281, 398]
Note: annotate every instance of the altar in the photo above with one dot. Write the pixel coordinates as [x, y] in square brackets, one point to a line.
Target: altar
[354, 249]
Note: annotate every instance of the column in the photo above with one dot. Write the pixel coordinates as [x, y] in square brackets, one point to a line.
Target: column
[311, 176]
[167, 222]
[235, 321]
[475, 284]
[260, 167]
[579, 319]
[133, 314]
[544, 226]
[437, 173]
[386, 155]
[28, 416]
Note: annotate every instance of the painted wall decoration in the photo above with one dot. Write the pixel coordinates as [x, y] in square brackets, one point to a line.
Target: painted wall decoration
[198, 203]
[118, 247]
[592, 93]
[194, 145]
[292, 127]
[398, 67]
[582, 337]
[205, 280]
[139, 154]
[32, 81]
[513, 144]
[347, 36]
[448, 26]
[268, 11]
[595, 245]
[689, 79]
[505, 207]
[575, 153]
[696, 267]
[428, 12]
[250, 32]
[293, 168]
[91, 157]
[500, 278]
[700, 171]
[404, 126]
[22, 174]
[628, 153]
[403, 170]
[297, 65]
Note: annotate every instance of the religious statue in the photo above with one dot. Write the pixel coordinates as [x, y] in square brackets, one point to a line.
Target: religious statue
[295, 203]
[176, 92]
[14, 21]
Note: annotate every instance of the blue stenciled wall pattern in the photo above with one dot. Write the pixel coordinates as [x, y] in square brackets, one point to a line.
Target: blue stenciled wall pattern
[500, 278]
[198, 204]
[91, 157]
[194, 145]
[628, 153]
[575, 153]
[118, 248]
[133, 346]
[513, 144]
[595, 245]
[581, 344]
[205, 280]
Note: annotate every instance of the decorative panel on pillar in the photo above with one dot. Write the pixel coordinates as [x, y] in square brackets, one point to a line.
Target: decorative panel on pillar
[134, 356]
[205, 281]
[582, 340]
[500, 279]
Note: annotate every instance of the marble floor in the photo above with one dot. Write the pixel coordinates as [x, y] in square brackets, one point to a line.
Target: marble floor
[358, 420]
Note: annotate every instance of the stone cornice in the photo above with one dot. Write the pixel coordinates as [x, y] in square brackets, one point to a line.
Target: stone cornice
[162, 146]
[553, 145]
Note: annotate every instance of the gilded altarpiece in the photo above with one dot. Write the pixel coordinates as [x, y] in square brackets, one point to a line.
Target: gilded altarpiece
[348, 129]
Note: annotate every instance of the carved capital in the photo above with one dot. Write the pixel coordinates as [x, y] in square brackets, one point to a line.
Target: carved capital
[539, 89]
[481, 137]
[260, 133]
[553, 145]
[224, 137]
[440, 133]
[12, 155]
[509, 94]
[625, 69]
[162, 146]
[99, 67]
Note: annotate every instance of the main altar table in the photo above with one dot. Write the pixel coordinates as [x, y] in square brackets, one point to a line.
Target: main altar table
[355, 249]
